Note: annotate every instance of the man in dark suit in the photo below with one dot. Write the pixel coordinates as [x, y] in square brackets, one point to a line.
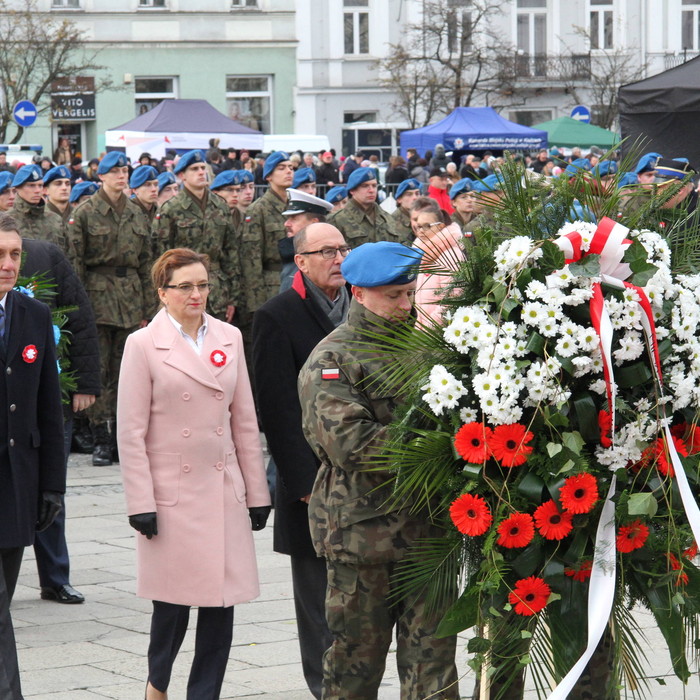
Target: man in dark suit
[285, 331]
[32, 474]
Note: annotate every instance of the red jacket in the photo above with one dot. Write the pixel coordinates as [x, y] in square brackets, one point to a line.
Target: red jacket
[442, 197]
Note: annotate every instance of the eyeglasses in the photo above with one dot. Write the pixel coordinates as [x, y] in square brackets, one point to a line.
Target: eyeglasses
[427, 227]
[188, 287]
[329, 253]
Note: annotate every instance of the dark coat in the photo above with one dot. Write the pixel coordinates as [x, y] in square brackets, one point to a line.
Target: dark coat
[83, 351]
[285, 331]
[31, 425]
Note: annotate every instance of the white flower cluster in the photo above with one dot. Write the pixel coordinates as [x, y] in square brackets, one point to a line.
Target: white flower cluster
[513, 254]
[630, 440]
[443, 390]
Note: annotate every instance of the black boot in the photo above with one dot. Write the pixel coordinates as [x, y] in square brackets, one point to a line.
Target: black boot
[83, 441]
[102, 454]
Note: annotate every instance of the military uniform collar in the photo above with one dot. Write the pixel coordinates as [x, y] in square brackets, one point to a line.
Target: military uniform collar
[104, 203]
[24, 207]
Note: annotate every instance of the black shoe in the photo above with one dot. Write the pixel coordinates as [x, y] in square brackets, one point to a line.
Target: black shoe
[63, 594]
[83, 443]
[102, 456]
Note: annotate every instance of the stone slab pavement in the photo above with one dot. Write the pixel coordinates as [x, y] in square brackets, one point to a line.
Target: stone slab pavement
[98, 649]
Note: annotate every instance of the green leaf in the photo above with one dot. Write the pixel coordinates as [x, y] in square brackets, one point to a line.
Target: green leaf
[525, 660]
[633, 375]
[636, 257]
[552, 258]
[670, 623]
[635, 253]
[525, 634]
[528, 561]
[567, 466]
[461, 616]
[573, 441]
[642, 273]
[535, 343]
[587, 416]
[553, 448]
[642, 504]
[586, 267]
[478, 645]
[531, 486]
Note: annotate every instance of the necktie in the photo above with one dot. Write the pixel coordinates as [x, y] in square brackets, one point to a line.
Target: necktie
[2, 322]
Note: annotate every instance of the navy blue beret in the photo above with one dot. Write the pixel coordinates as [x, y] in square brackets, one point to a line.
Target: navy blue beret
[628, 179]
[27, 173]
[272, 161]
[83, 188]
[360, 175]
[647, 163]
[142, 175]
[410, 184]
[5, 180]
[336, 194]
[377, 264]
[460, 187]
[243, 176]
[60, 172]
[189, 158]
[165, 179]
[491, 183]
[114, 159]
[605, 167]
[225, 178]
[302, 176]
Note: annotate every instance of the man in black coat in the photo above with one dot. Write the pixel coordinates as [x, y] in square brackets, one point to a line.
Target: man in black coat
[285, 331]
[46, 259]
[32, 471]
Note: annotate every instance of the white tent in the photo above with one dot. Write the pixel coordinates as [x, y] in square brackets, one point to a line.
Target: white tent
[180, 125]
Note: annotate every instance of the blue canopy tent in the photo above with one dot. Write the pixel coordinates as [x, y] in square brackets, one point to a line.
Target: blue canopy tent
[473, 129]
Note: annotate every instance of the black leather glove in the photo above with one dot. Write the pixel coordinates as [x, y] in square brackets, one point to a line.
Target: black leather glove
[258, 516]
[49, 507]
[145, 523]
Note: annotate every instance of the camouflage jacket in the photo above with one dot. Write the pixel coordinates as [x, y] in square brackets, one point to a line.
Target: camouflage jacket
[65, 214]
[150, 214]
[114, 258]
[346, 408]
[181, 223]
[402, 225]
[466, 224]
[263, 228]
[358, 227]
[37, 222]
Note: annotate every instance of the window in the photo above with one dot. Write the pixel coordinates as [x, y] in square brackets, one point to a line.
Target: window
[151, 91]
[356, 26]
[601, 24]
[249, 100]
[237, 4]
[74, 4]
[354, 117]
[690, 25]
[528, 117]
[532, 37]
[459, 26]
[151, 3]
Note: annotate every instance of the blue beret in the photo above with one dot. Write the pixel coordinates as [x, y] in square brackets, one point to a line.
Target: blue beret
[189, 158]
[60, 172]
[272, 161]
[142, 175]
[578, 212]
[225, 178]
[360, 175]
[114, 159]
[410, 184]
[460, 187]
[165, 179]
[647, 162]
[5, 180]
[377, 264]
[491, 183]
[302, 176]
[243, 176]
[27, 173]
[577, 166]
[83, 188]
[605, 167]
[628, 179]
[336, 194]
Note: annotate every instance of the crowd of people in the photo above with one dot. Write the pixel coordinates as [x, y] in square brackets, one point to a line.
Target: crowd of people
[203, 309]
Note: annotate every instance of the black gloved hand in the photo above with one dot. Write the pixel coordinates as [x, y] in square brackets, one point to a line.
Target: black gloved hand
[145, 523]
[258, 516]
[49, 507]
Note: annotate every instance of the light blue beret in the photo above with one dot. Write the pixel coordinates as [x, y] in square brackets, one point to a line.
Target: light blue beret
[243, 176]
[83, 188]
[647, 162]
[142, 175]
[225, 178]
[272, 161]
[460, 187]
[605, 167]
[410, 184]
[5, 180]
[491, 183]
[189, 158]
[114, 159]
[377, 264]
[60, 172]
[336, 194]
[302, 176]
[360, 175]
[165, 179]
[27, 173]
[628, 179]
[577, 166]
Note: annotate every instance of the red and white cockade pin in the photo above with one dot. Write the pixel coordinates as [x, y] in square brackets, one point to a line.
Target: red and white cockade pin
[218, 358]
[30, 353]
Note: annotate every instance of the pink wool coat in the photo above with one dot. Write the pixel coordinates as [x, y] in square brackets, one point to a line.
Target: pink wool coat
[189, 449]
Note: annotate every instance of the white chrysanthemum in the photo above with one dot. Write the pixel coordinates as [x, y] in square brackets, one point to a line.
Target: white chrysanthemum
[467, 415]
[514, 252]
[549, 327]
[484, 384]
[553, 296]
[566, 346]
[560, 278]
[533, 313]
[631, 347]
[535, 290]
[582, 365]
[577, 296]
[598, 386]
[443, 390]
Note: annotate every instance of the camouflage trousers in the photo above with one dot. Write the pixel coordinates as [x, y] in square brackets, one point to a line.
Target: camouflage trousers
[361, 618]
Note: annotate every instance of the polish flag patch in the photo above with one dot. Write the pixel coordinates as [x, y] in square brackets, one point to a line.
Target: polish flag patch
[330, 373]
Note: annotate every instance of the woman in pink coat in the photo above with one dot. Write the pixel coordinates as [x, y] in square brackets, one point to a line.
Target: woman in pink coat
[193, 473]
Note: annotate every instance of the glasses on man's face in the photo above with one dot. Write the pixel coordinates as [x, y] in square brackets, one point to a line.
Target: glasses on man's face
[188, 287]
[329, 253]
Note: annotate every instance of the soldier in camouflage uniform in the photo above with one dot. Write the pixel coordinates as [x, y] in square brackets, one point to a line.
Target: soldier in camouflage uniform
[167, 187]
[57, 192]
[406, 193]
[363, 220]
[245, 181]
[200, 221]
[463, 203]
[346, 409]
[144, 191]
[7, 194]
[113, 248]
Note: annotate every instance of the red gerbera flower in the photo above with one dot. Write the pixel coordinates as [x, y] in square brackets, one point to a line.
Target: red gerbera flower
[508, 444]
[605, 427]
[516, 531]
[583, 573]
[632, 536]
[579, 493]
[471, 442]
[529, 596]
[692, 439]
[471, 514]
[663, 461]
[682, 578]
[552, 524]
[692, 551]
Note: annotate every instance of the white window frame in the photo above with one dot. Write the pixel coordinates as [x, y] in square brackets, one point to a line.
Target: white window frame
[269, 93]
[171, 95]
[245, 4]
[601, 10]
[151, 5]
[531, 12]
[356, 11]
[693, 10]
[65, 5]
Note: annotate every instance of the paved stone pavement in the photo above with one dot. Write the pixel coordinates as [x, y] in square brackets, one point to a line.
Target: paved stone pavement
[98, 649]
